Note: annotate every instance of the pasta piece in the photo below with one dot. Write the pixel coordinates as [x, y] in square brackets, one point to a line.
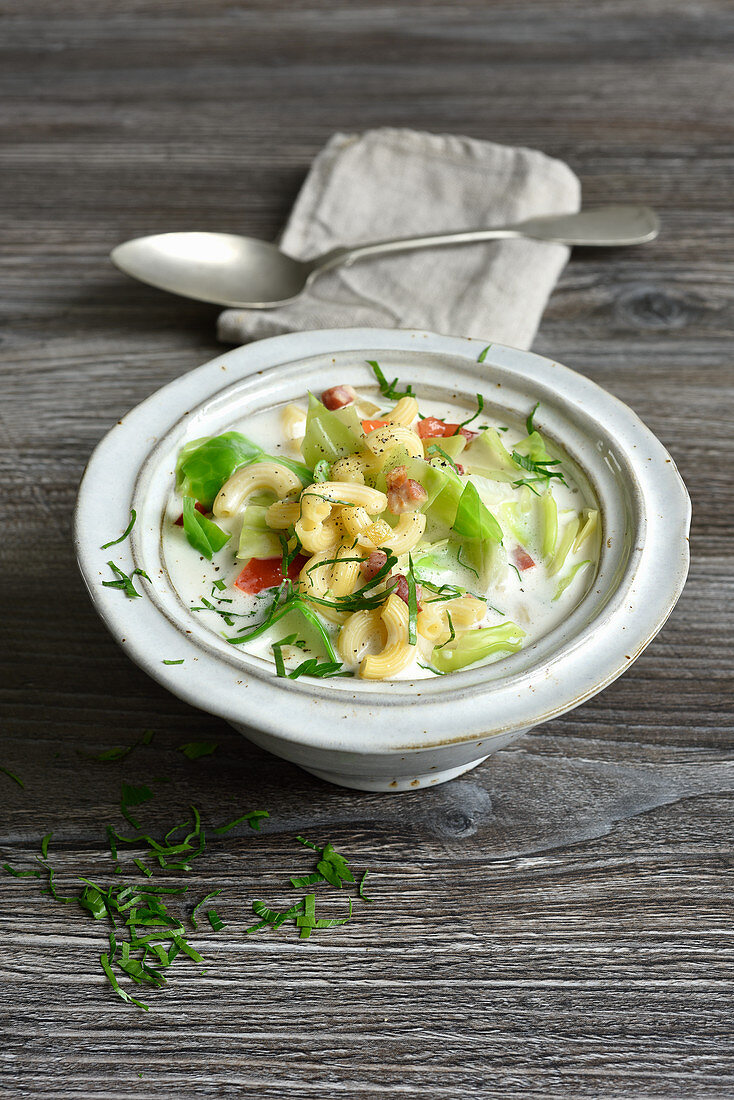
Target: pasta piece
[362, 630]
[314, 581]
[282, 514]
[342, 492]
[294, 422]
[324, 536]
[345, 573]
[433, 618]
[376, 534]
[397, 652]
[348, 469]
[466, 611]
[382, 440]
[355, 521]
[406, 533]
[405, 412]
[432, 623]
[255, 478]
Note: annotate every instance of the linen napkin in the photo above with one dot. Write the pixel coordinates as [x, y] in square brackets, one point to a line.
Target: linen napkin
[395, 183]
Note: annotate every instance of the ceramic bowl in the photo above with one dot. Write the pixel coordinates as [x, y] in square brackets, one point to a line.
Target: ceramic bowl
[398, 735]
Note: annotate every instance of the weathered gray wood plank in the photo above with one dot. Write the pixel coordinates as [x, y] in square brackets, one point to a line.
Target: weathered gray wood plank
[558, 922]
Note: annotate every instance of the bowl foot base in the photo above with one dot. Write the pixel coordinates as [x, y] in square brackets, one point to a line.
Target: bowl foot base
[394, 785]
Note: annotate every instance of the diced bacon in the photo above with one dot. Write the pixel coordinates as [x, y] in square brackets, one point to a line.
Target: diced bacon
[199, 508]
[372, 565]
[402, 591]
[433, 428]
[261, 573]
[522, 558]
[338, 396]
[370, 425]
[459, 468]
[404, 494]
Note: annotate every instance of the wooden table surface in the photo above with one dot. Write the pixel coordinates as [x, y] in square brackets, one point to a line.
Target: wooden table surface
[555, 923]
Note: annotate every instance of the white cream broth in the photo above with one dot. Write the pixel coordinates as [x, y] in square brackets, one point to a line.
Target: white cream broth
[525, 598]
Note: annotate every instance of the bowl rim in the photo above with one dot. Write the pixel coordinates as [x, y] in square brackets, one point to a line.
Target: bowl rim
[328, 719]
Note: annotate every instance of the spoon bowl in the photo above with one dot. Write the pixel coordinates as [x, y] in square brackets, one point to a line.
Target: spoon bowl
[221, 268]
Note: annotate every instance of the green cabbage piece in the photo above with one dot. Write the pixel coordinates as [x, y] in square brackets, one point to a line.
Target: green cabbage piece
[202, 533]
[488, 456]
[565, 581]
[475, 645]
[473, 520]
[330, 435]
[257, 540]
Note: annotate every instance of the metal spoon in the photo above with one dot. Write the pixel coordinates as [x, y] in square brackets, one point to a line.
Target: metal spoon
[241, 271]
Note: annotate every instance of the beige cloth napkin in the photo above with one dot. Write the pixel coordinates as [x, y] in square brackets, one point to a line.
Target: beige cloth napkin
[393, 183]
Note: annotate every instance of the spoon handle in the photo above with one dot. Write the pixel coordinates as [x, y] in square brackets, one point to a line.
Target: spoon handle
[605, 226]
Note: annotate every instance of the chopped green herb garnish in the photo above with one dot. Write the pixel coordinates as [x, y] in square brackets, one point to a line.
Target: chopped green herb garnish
[322, 470]
[451, 628]
[180, 661]
[124, 534]
[538, 467]
[308, 843]
[133, 796]
[44, 845]
[194, 749]
[480, 406]
[21, 874]
[121, 751]
[197, 907]
[360, 890]
[50, 884]
[322, 671]
[214, 920]
[529, 422]
[466, 563]
[125, 582]
[530, 482]
[105, 961]
[252, 818]
[412, 605]
[13, 776]
[483, 354]
[307, 880]
[435, 449]
[308, 921]
[429, 668]
[278, 610]
[387, 389]
[277, 648]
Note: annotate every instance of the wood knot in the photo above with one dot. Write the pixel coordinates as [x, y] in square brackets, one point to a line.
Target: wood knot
[648, 307]
[459, 810]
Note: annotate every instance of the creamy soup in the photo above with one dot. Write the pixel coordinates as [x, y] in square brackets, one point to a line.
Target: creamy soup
[382, 538]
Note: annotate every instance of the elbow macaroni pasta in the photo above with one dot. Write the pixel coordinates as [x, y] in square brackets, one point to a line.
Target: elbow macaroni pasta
[382, 440]
[397, 652]
[255, 478]
[405, 412]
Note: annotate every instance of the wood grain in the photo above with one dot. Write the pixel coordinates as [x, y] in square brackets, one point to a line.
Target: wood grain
[558, 922]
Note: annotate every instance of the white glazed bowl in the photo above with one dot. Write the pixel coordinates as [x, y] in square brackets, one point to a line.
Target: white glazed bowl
[397, 735]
